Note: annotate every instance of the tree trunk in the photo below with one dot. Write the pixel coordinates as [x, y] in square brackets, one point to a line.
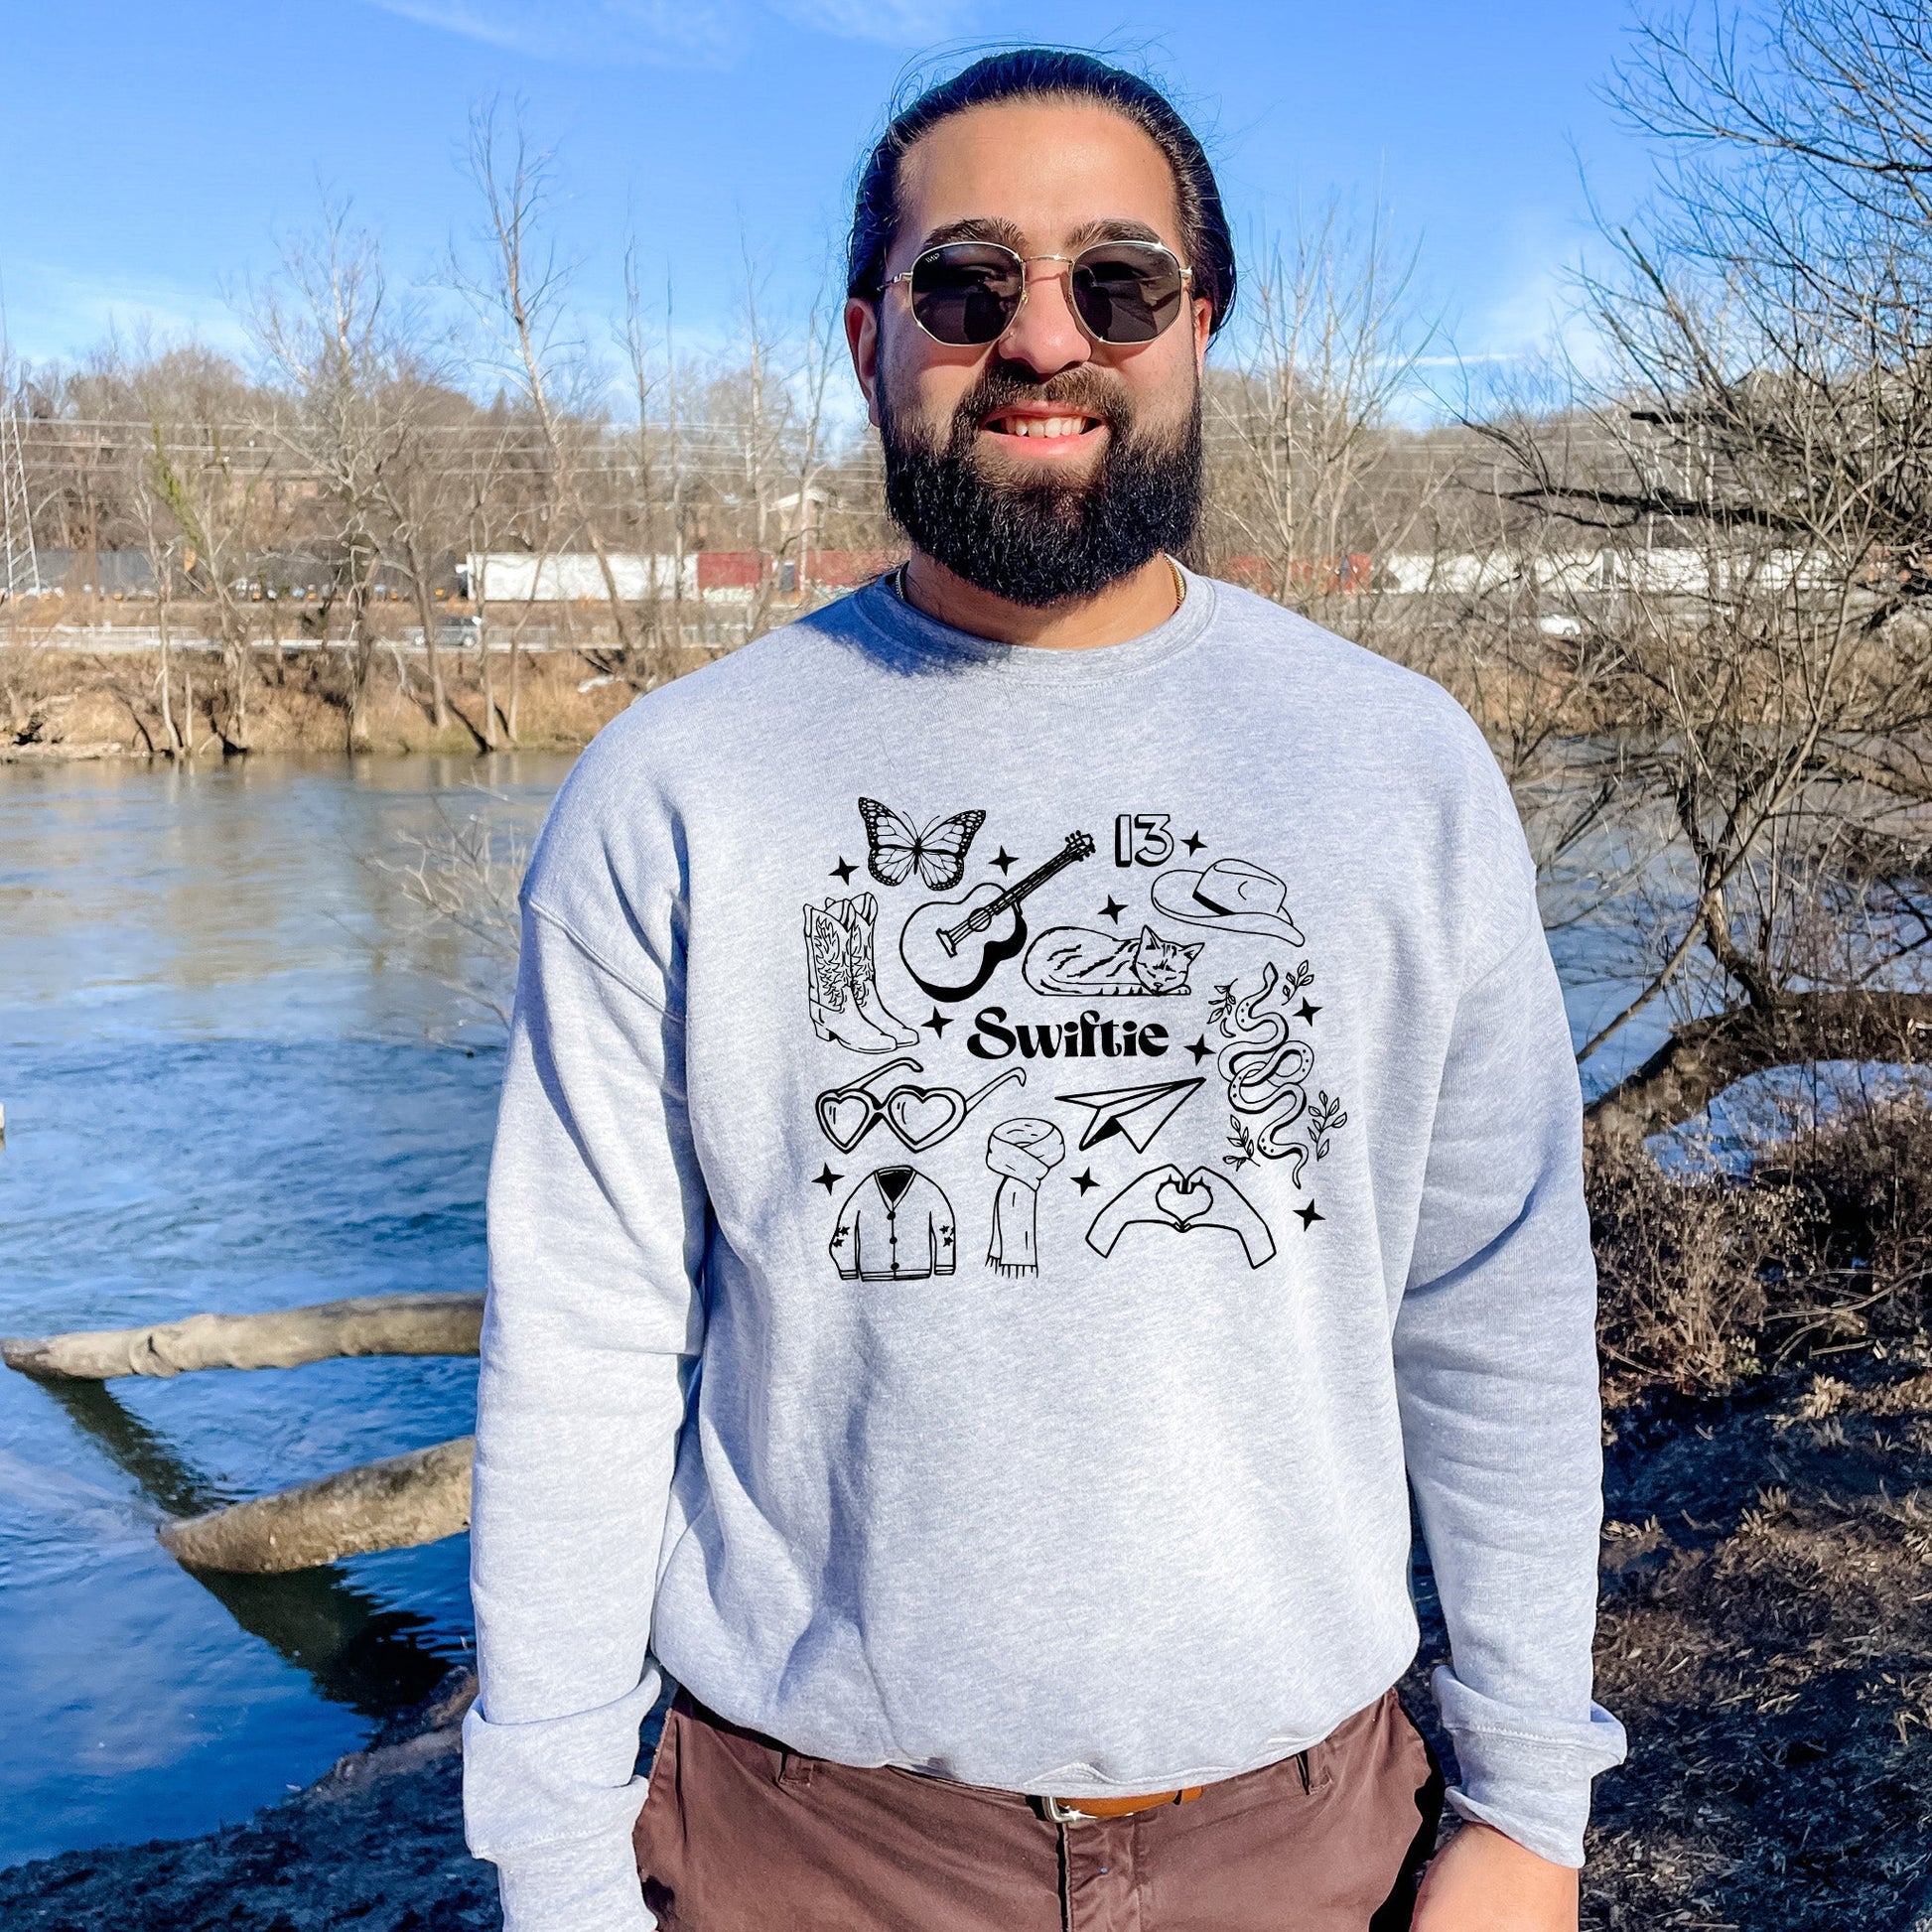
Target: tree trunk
[1705, 1057]
[426, 609]
[392, 1504]
[488, 685]
[361, 656]
[167, 671]
[367, 1324]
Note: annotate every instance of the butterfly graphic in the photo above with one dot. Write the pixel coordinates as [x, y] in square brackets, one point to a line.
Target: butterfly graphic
[938, 854]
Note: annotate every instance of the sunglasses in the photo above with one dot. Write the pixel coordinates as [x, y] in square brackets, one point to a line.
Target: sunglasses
[966, 294]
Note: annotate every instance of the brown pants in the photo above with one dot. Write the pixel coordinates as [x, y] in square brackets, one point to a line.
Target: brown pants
[740, 1835]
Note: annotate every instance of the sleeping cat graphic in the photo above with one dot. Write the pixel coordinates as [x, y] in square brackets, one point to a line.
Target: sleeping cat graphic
[1072, 959]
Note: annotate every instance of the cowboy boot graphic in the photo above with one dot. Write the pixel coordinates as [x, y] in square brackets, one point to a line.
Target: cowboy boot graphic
[829, 990]
[858, 916]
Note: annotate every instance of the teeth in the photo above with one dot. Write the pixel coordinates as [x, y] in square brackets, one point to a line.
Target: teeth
[1045, 425]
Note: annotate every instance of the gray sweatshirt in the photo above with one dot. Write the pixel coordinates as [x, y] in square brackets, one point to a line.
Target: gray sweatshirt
[1008, 1159]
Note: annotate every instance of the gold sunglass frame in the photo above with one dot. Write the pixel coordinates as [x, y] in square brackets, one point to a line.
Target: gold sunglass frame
[1067, 265]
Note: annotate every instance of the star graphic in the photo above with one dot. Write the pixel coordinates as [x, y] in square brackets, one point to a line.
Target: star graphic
[938, 1022]
[1307, 1216]
[1200, 1049]
[1084, 1179]
[1112, 910]
[826, 1179]
[1307, 1010]
[1004, 860]
[1196, 842]
[843, 870]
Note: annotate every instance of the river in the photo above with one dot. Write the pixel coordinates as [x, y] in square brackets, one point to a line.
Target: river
[235, 1077]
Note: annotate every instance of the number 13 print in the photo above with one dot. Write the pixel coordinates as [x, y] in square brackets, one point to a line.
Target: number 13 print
[1142, 839]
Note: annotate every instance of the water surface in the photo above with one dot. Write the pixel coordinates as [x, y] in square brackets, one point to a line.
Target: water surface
[235, 1077]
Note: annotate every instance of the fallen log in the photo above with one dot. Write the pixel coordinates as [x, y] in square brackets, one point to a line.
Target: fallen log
[366, 1325]
[1702, 1057]
[392, 1504]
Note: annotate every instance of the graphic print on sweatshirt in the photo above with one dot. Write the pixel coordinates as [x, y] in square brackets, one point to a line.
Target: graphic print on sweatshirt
[893, 851]
[953, 947]
[895, 1226]
[921, 1117]
[1177, 918]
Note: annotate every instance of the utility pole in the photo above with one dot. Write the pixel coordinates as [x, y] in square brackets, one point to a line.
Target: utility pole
[19, 565]
[20, 570]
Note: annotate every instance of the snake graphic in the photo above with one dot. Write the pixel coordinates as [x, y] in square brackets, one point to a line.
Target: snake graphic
[1264, 1069]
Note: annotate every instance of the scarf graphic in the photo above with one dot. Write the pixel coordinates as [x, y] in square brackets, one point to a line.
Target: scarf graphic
[1024, 1152]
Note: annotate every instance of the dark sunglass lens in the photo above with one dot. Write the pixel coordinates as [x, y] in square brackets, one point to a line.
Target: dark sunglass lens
[965, 292]
[1125, 293]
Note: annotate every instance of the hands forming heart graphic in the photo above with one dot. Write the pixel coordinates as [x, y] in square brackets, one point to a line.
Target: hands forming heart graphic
[1184, 1201]
[920, 1116]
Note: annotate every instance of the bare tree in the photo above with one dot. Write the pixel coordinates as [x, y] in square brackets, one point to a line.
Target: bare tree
[1309, 475]
[322, 326]
[521, 296]
[162, 542]
[1761, 488]
[208, 474]
[370, 404]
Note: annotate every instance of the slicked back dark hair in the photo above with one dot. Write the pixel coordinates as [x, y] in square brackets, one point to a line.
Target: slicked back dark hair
[1045, 74]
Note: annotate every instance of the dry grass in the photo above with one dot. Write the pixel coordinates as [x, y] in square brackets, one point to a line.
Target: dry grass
[62, 703]
[1766, 1632]
[1708, 1281]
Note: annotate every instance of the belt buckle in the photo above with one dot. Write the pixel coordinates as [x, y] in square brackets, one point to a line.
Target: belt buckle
[1061, 1814]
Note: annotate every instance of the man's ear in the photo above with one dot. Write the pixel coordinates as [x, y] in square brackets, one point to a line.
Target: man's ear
[1203, 330]
[862, 337]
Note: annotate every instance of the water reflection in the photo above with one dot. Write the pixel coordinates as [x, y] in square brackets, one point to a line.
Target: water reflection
[357, 1653]
[214, 1027]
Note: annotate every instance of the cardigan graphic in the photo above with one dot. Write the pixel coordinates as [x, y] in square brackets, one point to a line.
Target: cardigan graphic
[895, 1226]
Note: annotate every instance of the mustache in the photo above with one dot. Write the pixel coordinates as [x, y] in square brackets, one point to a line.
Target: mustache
[1083, 391]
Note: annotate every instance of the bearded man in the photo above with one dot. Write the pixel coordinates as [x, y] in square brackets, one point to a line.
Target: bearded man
[1038, 1116]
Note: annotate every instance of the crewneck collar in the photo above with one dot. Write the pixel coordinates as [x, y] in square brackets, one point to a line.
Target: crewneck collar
[903, 625]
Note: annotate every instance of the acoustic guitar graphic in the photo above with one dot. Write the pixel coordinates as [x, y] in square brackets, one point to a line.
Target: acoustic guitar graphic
[951, 946]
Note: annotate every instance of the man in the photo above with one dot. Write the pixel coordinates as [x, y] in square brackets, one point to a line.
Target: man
[1037, 1097]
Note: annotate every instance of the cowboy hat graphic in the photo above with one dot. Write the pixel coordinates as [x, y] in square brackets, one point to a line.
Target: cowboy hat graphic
[1231, 892]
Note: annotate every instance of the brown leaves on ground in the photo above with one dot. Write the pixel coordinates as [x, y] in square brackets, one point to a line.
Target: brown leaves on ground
[1767, 1638]
[1767, 1627]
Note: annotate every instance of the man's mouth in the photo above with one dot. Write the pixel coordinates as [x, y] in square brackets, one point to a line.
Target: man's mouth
[1062, 426]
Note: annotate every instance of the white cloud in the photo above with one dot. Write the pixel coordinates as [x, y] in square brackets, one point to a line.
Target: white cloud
[54, 313]
[679, 32]
[896, 23]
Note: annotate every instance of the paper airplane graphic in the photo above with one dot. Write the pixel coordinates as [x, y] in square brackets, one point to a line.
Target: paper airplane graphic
[1138, 1113]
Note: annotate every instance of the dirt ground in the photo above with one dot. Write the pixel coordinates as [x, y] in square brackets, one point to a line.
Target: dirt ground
[1767, 1638]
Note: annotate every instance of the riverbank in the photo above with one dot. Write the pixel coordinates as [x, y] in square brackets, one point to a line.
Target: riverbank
[59, 705]
[376, 1844]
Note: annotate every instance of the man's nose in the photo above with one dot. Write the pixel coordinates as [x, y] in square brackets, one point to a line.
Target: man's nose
[1045, 335]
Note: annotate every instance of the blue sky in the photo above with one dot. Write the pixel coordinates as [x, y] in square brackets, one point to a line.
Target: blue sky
[150, 155]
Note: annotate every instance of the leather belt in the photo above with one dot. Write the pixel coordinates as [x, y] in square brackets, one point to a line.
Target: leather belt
[1090, 1811]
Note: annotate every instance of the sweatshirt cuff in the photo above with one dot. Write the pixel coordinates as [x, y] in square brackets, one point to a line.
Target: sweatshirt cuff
[573, 1885]
[1529, 1778]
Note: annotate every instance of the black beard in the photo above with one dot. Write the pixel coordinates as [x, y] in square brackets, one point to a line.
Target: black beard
[1045, 543]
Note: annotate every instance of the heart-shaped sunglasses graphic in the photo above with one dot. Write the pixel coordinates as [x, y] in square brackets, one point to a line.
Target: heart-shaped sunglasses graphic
[921, 1117]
